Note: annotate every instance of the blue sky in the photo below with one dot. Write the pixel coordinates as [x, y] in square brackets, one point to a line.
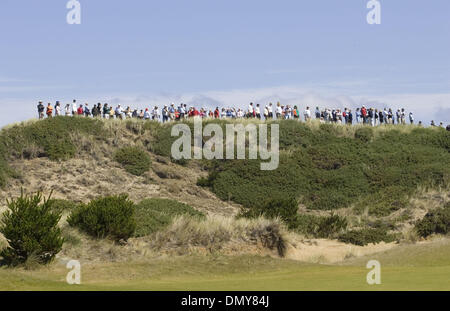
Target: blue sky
[216, 52]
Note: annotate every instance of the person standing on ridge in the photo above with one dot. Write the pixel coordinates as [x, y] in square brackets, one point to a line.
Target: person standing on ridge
[49, 110]
[57, 109]
[74, 107]
[41, 109]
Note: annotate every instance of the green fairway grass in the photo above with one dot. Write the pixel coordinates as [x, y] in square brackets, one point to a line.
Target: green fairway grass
[407, 267]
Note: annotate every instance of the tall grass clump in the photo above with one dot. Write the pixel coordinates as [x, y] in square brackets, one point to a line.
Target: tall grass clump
[212, 233]
[3, 242]
[134, 160]
[111, 216]
[30, 226]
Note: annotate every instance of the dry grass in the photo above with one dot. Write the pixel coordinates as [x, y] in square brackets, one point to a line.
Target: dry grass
[186, 236]
[3, 242]
[214, 233]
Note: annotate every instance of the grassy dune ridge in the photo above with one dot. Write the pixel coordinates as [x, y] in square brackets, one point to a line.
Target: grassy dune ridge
[381, 179]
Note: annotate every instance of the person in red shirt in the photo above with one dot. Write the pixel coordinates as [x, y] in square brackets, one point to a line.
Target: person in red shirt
[49, 111]
[80, 110]
[364, 114]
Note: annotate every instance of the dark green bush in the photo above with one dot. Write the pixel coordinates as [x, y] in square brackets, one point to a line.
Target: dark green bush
[287, 210]
[135, 160]
[32, 230]
[363, 237]
[208, 181]
[436, 221]
[329, 170]
[153, 215]
[321, 226]
[112, 216]
[52, 136]
[284, 208]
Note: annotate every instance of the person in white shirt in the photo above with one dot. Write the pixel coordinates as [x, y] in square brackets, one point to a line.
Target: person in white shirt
[57, 109]
[155, 114]
[250, 111]
[240, 114]
[307, 114]
[146, 114]
[74, 107]
[279, 110]
[119, 112]
[67, 110]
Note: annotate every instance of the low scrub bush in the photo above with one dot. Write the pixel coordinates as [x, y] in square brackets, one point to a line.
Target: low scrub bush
[434, 222]
[329, 168]
[32, 231]
[52, 138]
[111, 216]
[286, 209]
[321, 226]
[154, 215]
[283, 208]
[366, 236]
[135, 160]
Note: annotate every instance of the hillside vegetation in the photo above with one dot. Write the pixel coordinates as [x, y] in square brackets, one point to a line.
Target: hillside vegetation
[352, 183]
[138, 219]
[331, 167]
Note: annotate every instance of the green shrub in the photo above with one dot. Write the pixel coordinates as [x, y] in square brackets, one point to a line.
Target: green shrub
[321, 226]
[162, 140]
[111, 216]
[32, 230]
[135, 160]
[363, 237]
[327, 169]
[53, 136]
[436, 221]
[284, 208]
[153, 215]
